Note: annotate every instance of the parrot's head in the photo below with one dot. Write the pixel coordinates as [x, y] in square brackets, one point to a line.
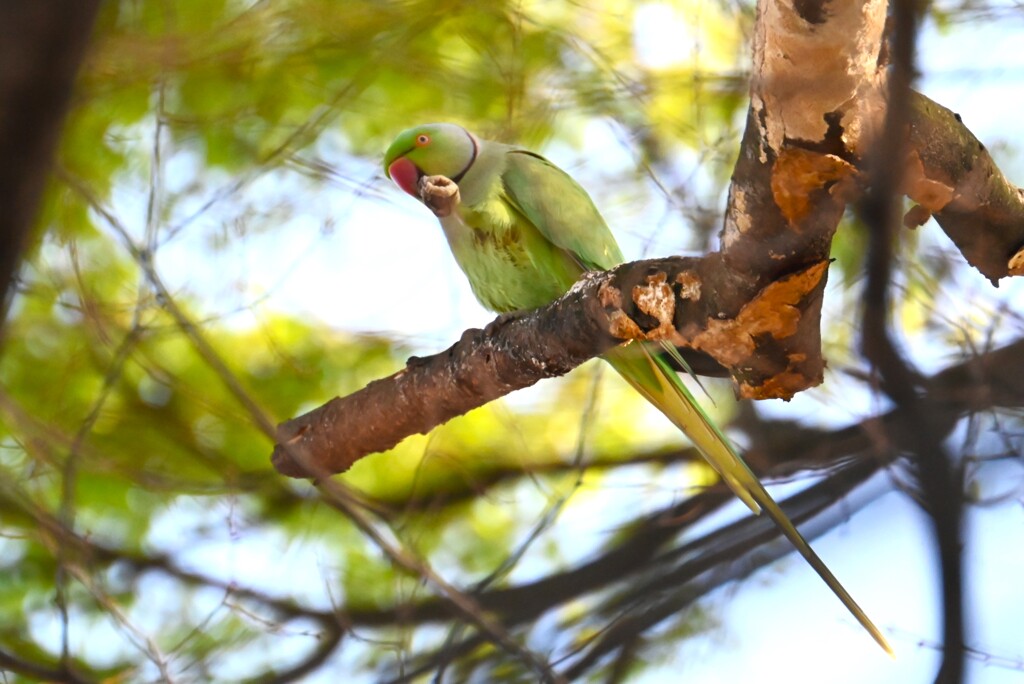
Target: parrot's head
[430, 150]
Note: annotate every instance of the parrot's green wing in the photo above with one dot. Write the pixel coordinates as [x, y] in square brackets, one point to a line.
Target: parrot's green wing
[560, 209]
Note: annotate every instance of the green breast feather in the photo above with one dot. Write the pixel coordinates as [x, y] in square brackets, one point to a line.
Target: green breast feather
[524, 242]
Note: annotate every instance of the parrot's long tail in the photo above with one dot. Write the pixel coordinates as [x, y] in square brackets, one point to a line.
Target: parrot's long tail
[661, 385]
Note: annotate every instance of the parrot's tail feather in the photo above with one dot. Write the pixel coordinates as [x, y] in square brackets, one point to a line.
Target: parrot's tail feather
[658, 383]
[780, 518]
[674, 354]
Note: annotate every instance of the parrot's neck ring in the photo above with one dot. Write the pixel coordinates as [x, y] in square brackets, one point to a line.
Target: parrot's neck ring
[457, 178]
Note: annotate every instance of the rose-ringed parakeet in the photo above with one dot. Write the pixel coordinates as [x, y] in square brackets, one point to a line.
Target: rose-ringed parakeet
[524, 232]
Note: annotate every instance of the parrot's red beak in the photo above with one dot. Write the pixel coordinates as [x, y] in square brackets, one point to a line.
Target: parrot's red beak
[406, 175]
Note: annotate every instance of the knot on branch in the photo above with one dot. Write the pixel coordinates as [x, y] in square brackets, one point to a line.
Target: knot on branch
[654, 299]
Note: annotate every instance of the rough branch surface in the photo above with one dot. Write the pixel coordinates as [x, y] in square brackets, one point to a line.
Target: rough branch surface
[511, 354]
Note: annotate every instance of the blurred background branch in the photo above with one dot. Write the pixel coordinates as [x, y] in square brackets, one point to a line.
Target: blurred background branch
[41, 47]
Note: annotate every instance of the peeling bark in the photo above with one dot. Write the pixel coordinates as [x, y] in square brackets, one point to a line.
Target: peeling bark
[812, 58]
[772, 319]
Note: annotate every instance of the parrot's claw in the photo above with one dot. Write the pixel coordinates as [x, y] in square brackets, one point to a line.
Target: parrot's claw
[501, 321]
[469, 337]
[440, 194]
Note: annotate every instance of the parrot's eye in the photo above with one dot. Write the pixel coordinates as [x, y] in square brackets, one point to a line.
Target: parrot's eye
[422, 139]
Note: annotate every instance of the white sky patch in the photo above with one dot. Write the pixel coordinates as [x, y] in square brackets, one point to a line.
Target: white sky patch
[663, 36]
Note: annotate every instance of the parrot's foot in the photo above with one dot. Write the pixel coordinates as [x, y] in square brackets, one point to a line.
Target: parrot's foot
[501, 321]
[440, 194]
[469, 337]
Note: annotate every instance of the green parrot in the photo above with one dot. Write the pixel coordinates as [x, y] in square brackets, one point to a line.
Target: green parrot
[524, 232]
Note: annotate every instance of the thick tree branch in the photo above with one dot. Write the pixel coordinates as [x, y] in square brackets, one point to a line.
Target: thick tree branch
[814, 99]
[778, 449]
[482, 366]
[516, 352]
